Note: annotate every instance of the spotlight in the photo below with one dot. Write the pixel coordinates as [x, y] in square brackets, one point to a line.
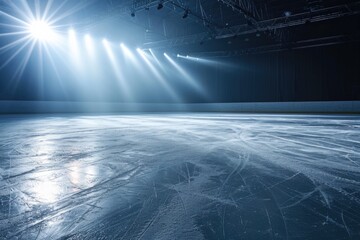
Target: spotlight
[160, 6]
[287, 13]
[178, 55]
[74, 46]
[89, 44]
[186, 14]
[41, 31]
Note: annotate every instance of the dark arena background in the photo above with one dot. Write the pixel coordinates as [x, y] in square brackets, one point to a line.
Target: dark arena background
[180, 119]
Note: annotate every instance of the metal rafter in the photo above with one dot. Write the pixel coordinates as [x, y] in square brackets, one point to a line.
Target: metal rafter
[266, 25]
[245, 7]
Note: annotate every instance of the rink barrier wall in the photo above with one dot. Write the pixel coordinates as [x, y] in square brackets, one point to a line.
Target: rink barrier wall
[10, 107]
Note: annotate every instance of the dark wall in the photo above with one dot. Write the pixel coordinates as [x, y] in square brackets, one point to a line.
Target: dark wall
[315, 74]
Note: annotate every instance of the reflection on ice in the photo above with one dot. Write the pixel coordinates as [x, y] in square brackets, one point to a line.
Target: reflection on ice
[182, 176]
[45, 189]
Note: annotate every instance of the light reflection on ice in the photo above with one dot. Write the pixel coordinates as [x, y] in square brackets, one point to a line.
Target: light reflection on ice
[45, 189]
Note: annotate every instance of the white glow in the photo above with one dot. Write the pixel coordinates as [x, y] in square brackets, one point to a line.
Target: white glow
[41, 31]
[89, 44]
[128, 53]
[71, 32]
[74, 46]
[117, 69]
[109, 52]
[72, 38]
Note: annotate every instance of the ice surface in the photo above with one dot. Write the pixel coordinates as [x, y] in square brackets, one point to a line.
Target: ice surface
[180, 176]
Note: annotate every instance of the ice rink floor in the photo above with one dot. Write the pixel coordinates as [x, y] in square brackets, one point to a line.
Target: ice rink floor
[180, 176]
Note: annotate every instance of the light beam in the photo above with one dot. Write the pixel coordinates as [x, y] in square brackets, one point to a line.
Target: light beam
[89, 44]
[185, 75]
[116, 68]
[158, 76]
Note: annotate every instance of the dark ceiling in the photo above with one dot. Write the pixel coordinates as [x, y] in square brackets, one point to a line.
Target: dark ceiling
[241, 26]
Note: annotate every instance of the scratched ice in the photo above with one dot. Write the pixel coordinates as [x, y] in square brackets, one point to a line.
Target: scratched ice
[181, 176]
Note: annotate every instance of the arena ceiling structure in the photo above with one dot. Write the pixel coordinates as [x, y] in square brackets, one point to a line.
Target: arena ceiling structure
[55, 43]
[244, 26]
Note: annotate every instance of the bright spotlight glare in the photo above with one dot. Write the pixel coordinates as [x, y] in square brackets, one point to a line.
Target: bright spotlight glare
[41, 31]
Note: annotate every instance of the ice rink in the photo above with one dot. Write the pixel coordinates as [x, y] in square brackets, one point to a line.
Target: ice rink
[180, 176]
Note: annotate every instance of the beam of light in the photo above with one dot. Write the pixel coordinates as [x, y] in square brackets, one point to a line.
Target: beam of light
[89, 44]
[128, 53]
[15, 19]
[116, 68]
[74, 46]
[201, 60]
[13, 33]
[20, 69]
[15, 54]
[25, 11]
[158, 75]
[65, 13]
[156, 59]
[14, 44]
[186, 76]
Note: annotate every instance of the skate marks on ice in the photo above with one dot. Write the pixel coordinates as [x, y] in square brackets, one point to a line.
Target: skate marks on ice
[182, 176]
